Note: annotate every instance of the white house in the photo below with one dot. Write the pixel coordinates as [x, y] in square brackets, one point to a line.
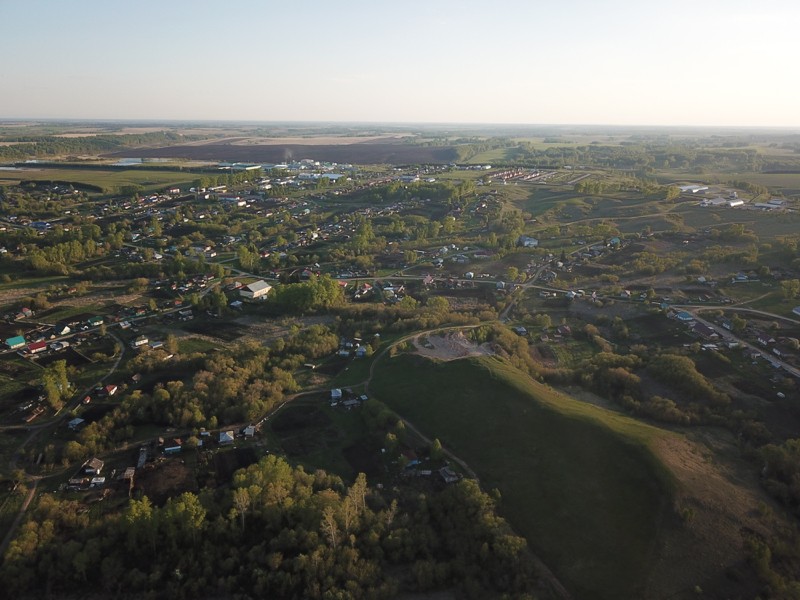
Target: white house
[139, 341]
[256, 290]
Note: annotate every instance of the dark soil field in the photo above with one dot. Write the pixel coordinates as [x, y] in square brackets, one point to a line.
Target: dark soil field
[170, 478]
[362, 153]
[72, 356]
[227, 463]
[296, 418]
[229, 333]
[363, 461]
[303, 430]
[8, 330]
[96, 412]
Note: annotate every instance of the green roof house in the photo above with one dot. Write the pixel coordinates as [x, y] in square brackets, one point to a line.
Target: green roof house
[16, 342]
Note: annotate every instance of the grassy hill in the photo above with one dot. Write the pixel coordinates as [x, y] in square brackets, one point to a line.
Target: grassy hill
[580, 483]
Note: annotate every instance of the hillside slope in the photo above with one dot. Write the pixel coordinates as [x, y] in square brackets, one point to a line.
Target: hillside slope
[598, 495]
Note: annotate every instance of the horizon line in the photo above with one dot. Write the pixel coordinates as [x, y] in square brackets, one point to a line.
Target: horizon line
[162, 121]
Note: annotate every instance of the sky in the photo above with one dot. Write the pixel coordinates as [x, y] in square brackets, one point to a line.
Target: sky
[623, 62]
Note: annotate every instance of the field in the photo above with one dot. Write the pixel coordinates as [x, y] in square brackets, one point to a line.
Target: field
[581, 484]
[111, 179]
[363, 153]
[318, 437]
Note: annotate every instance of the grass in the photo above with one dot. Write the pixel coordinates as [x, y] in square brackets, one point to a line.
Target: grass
[61, 313]
[580, 483]
[319, 436]
[193, 344]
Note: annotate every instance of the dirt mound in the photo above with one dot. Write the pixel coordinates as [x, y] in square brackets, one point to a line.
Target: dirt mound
[449, 346]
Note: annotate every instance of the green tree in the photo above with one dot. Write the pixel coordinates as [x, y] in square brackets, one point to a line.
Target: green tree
[437, 452]
[790, 288]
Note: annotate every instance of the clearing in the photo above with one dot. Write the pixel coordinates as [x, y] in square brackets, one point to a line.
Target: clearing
[449, 346]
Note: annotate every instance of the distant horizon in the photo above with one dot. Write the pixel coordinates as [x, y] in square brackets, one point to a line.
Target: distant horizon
[5, 120]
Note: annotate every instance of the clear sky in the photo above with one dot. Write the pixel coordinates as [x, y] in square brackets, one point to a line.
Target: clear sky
[637, 62]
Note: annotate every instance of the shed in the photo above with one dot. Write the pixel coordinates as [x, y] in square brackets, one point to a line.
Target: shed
[75, 423]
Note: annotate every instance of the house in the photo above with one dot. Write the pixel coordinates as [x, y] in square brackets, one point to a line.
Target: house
[37, 347]
[448, 475]
[173, 446]
[249, 431]
[93, 466]
[704, 331]
[336, 395]
[256, 290]
[361, 352]
[15, 342]
[110, 389]
[684, 316]
[563, 330]
[95, 321]
[61, 329]
[139, 342]
[225, 438]
[527, 242]
[727, 324]
[520, 331]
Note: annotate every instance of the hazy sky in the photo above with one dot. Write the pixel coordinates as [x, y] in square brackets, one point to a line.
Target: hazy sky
[681, 62]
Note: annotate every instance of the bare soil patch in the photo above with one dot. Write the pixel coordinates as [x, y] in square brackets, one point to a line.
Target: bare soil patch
[170, 478]
[449, 346]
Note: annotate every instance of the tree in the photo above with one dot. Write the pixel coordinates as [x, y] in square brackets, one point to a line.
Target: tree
[512, 273]
[241, 502]
[790, 288]
[56, 384]
[329, 526]
[437, 453]
[171, 344]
